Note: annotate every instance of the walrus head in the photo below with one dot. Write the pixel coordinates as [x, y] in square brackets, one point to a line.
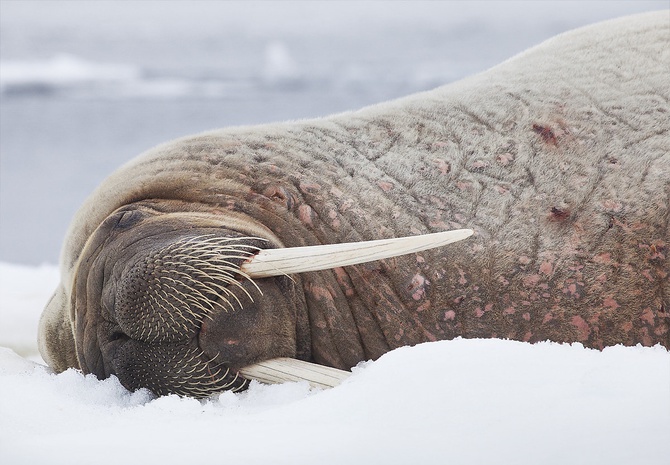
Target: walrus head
[179, 299]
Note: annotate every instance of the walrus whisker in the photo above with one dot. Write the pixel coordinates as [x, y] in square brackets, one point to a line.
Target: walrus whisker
[168, 299]
[167, 296]
[208, 257]
[226, 278]
[196, 299]
[176, 309]
[202, 297]
[224, 273]
[275, 262]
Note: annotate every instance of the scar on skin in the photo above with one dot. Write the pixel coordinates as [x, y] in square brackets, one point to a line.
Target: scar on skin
[546, 133]
[559, 214]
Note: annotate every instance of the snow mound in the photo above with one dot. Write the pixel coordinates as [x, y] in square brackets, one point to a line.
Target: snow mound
[468, 401]
[460, 401]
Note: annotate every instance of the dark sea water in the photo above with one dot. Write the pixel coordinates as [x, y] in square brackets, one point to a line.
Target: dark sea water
[85, 86]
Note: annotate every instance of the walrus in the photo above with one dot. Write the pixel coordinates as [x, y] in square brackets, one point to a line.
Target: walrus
[557, 161]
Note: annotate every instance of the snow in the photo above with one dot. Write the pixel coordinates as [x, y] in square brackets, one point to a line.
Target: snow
[460, 401]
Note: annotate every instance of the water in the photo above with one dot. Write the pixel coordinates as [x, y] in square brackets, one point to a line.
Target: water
[85, 86]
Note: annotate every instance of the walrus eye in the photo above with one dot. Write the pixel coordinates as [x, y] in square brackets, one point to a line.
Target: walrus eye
[277, 262]
[117, 335]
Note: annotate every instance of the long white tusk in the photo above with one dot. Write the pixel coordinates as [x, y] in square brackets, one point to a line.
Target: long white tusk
[278, 262]
[280, 370]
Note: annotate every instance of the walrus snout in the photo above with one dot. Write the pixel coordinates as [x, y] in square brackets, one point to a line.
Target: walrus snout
[190, 321]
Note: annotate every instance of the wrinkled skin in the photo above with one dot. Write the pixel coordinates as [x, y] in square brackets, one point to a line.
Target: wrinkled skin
[557, 159]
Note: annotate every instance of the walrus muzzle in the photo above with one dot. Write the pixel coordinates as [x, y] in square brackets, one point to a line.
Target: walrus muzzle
[178, 302]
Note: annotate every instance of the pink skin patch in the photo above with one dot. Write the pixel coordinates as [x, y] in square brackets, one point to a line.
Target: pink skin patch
[306, 214]
[418, 287]
[573, 289]
[343, 280]
[583, 329]
[385, 186]
[307, 186]
[546, 268]
[334, 219]
[603, 258]
[648, 316]
[611, 303]
[423, 307]
[505, 159]
[449, 315]
[462, 281]
[612, 206]
[442, 166]
[531, 280]
[644, 336]
[460, 218]
[464, 185]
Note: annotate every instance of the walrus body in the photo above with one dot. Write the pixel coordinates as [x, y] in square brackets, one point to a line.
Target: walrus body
[558, 159]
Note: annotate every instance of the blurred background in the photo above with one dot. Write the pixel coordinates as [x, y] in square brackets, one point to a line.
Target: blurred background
[87, 85]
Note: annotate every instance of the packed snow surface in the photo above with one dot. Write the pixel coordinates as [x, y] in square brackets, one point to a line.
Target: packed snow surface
[461, 401]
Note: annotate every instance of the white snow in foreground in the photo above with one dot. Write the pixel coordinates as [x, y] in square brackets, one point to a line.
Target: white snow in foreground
[460, 401]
